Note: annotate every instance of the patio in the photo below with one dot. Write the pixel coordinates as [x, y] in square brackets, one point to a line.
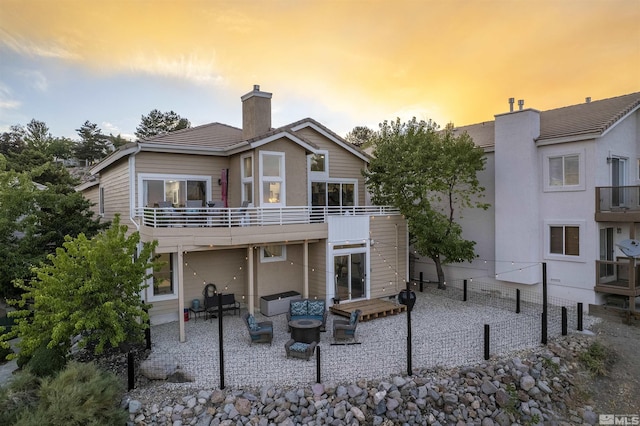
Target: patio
[445, 333]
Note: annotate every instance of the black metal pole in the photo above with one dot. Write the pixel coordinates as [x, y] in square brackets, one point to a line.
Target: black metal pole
[409, 369]
[544, 303]
[421, 283]
[220, 341]
[517, 301]
[147, 331]
[564, 321]
[486, 341]
[131, 373]
[579, 316]
[464, 290]
[318, 364]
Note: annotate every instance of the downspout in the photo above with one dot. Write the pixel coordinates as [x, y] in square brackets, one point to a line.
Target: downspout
[132, 188]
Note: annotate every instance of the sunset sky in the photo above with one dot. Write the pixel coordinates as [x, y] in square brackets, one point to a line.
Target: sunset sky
[343, 63]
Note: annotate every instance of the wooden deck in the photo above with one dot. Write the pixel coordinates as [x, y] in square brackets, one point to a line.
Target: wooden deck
[371, 309]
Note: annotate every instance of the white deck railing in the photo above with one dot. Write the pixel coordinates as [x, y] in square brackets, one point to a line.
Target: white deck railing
[251, 216]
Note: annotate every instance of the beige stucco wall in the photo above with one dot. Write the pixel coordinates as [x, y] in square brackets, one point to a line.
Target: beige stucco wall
[390, 249]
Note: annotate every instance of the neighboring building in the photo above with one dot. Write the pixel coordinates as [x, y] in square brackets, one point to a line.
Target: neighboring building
[256, 211]
[564, 189]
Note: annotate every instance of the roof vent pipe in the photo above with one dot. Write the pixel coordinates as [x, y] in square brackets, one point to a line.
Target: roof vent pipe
[520, 104]
[587, 99]
[511, 101]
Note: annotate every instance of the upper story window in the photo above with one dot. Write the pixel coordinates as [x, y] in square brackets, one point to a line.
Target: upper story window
[272, 178]
[333, 194]
[101, 201]
[246, 173]
[564, 240]
[564, 171]
[318, 164]
[172, 189]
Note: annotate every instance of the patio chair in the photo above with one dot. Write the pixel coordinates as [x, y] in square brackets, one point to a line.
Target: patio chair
[346, 329]
[210, 295]
[299, 349]
[259, 332]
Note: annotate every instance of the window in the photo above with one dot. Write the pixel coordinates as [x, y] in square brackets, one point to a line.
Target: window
[176, 189]
[273, 253]
[564, 170]
[163, 278]
[101, 201]
[318, 165]
[333, 194]
[246, 172]
[564, 240]
[272, 188]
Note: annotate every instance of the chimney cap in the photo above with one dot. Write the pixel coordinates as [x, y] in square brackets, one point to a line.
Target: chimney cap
[256, 87]
[256, 92]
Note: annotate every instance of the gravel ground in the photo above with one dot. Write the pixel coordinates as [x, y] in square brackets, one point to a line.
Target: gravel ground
[445, 333]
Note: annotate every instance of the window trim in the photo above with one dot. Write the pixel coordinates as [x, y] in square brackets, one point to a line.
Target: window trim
[281, 258]
[580, 224]
[353, 182]
[581, 186]
[151, 297]
[101, 201]
[164, 177]
[246, 180]
[315, 175]
[281, 179]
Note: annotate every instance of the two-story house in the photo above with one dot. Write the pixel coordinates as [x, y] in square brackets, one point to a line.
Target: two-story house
[564, 188]
[256, 211]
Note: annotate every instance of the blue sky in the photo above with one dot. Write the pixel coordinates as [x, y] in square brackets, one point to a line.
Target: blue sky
[343, 63]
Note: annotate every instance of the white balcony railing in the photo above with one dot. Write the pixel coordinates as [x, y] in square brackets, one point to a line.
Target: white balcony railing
[251, 216]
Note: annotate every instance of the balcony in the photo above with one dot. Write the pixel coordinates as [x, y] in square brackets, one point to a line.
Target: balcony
[621, 277]
[215, 217]
[617, 204]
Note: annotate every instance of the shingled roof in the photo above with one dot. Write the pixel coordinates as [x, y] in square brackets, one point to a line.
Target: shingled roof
[589, 120]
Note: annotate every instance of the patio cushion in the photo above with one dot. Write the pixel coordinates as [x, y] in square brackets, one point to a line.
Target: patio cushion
[253, 325]
[299, 347]
[353, 318]
[298, 308]
[315, 307]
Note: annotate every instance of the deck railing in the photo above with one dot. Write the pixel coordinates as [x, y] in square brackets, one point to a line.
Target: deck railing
[618, 277]
[617, 198]
[251, 216]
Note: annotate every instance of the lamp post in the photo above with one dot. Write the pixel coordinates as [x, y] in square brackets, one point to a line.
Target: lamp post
[408, 298]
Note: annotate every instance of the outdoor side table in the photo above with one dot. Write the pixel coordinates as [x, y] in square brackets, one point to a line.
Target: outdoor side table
[196, 312]
[305, 330]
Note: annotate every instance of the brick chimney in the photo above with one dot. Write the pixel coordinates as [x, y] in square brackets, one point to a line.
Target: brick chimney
[256, 113]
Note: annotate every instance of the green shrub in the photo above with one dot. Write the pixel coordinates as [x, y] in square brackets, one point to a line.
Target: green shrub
[46, 362]
[596, 357]
[81, 394]
[4, 353]
[21, 395]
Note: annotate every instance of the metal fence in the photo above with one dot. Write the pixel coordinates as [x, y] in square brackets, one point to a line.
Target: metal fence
[448, 328]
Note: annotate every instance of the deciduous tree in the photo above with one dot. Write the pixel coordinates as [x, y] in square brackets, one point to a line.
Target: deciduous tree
[431, 176]
[90, 288]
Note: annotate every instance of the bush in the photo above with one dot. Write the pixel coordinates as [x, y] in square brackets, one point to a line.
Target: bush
[19, 396]
[4, 353]
[596, 357]
[46, 362]
[81, 394]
